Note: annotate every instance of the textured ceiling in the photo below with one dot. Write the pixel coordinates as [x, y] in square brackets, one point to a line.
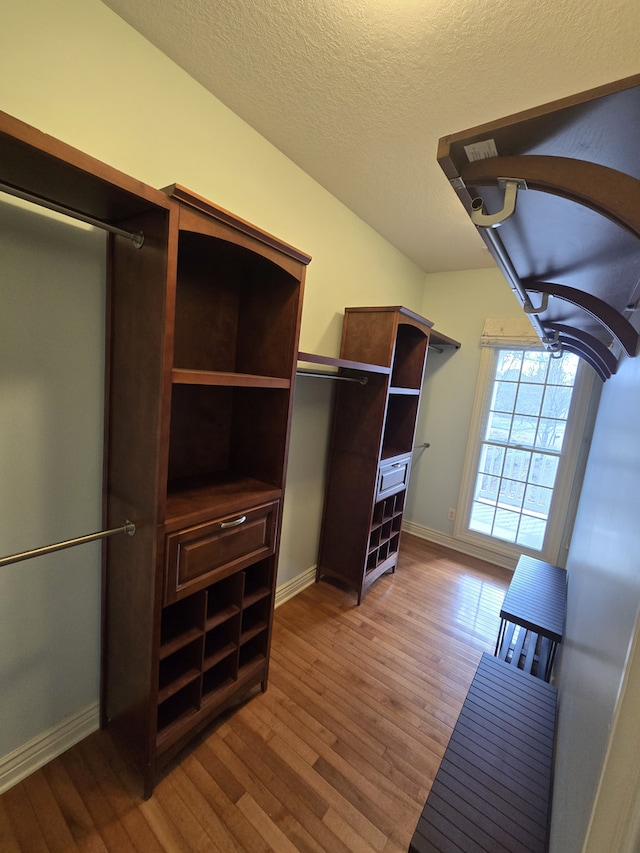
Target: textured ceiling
[358, 92]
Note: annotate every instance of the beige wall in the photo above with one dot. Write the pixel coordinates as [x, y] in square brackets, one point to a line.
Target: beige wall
[457, 303]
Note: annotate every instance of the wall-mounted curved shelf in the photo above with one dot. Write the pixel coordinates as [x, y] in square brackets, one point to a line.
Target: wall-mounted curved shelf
[574, 234]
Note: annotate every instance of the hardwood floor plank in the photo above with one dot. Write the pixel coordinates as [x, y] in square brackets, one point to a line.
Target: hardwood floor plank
[23, 820]
[48, 814]
[73, 809]
[104, 818]
[337, 756]
[266, 826]
[240, 833]
[9, 842]
[120, 798]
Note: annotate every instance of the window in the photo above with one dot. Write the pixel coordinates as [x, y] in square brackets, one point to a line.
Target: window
[523, 455]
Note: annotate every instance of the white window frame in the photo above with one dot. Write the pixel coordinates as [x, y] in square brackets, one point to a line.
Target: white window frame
[570, 468]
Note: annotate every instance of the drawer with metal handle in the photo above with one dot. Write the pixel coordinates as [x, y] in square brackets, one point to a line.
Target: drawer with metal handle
[201, 555]
[393, 476]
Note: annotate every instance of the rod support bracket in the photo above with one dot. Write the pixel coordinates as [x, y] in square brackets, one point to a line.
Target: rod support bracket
[529, 308]
[493, 220]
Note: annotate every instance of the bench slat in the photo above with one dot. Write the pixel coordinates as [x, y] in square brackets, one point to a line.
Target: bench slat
[493, 789]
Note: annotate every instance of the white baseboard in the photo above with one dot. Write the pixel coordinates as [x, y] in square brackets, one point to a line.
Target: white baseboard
[29, 757]
[292, 587]
[435, 536]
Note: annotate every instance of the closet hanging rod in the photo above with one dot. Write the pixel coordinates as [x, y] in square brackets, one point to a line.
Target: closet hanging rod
[136, 237]
[362, 380]
[128, 527]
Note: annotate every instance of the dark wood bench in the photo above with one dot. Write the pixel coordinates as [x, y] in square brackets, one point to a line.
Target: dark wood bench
[492, 792]
[532, 616]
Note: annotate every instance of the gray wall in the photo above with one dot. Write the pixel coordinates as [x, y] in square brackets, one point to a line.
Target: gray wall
[603, 599]
[51, 424]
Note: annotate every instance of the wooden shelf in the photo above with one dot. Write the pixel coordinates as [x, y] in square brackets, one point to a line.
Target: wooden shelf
[192, 500]
[180, 376]
[438, 340]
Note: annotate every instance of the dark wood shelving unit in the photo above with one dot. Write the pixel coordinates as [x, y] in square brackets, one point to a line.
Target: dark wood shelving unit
[223, 344]
[372, 441]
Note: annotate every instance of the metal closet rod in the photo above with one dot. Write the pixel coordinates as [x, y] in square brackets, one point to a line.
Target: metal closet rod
[362, 380]
[136, 237]
[128, 527]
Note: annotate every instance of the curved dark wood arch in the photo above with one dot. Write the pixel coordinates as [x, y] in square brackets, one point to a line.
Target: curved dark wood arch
[615, 323]
[599, 351]
[607, 191]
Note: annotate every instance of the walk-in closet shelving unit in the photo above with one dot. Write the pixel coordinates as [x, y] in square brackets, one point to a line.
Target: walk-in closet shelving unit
[203, 318]
[225, 336]
[372, 441]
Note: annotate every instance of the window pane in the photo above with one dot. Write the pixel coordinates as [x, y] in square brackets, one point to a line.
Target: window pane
[529, 399]
[509, 363]
[550, 434]
[543, 469]
[531, 533]
[498, 426]
[487, 488]
[504, 394]
[556, 403]
[505, 525]
[562, 371]
[491, 458]
[523, 430]
[481, 518]
[538, 500]
[534, 366]
[511, 493]
[516, 464]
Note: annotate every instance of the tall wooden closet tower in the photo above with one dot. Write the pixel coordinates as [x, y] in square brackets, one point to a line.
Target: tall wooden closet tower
[372, 441]
[204, 340]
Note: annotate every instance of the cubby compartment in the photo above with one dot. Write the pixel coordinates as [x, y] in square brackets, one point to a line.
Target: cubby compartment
[258, 582]
[181, 623]
[217, 437]
[400, 424]
[253, 652]
[236, 311]
[223, 600]
[409, 357]
[221, 642]
[177, 710]
[219, 677]
[179, 669]
[255, 618]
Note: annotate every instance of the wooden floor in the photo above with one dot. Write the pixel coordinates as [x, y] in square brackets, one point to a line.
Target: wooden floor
[337, 755]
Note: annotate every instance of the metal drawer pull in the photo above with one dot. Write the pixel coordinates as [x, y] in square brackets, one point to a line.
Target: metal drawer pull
[235, 523]
[398, 464]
